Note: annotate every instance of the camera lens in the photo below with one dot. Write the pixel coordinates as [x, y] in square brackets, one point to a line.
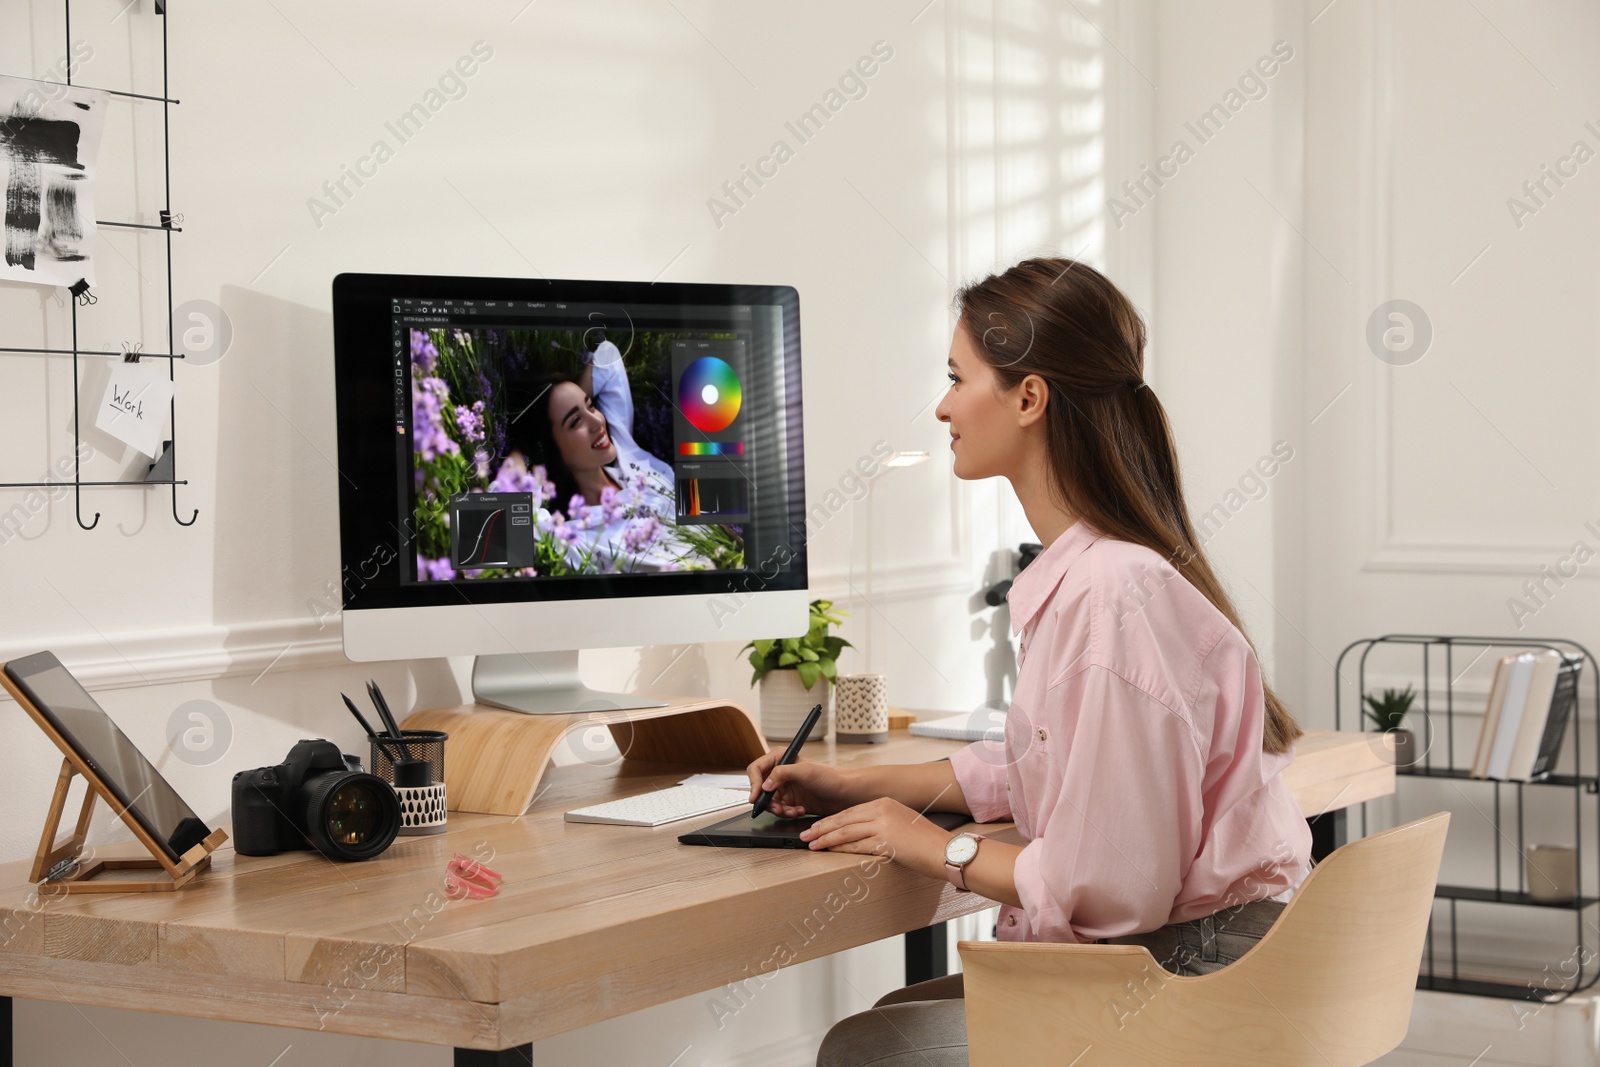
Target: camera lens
[352, 816]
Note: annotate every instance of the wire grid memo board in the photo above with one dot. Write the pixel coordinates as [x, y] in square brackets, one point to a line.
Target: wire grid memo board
[117, 47]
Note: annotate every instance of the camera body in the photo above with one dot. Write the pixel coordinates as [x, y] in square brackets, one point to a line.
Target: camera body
[312, 800]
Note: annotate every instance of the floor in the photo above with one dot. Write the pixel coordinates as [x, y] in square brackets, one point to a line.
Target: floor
[1447, 1029]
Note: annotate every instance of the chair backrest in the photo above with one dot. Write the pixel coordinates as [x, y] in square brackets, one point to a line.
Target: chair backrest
[1341, 961]
[1330, 985]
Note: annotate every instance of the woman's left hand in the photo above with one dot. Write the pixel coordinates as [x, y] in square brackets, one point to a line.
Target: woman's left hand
[883, 827]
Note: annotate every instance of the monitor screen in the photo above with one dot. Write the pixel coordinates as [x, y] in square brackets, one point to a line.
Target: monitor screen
[505, 440]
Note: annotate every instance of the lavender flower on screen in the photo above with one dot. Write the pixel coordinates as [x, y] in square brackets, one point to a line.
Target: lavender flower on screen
[470, 421]
[512, 478]
[567, 533]
[423, 353]
[427, 423]
[642, 533]
[438, 570]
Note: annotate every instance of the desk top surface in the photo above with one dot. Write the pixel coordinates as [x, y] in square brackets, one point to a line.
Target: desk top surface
[376, 948]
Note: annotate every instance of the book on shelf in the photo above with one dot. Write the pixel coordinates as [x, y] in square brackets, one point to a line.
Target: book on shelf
[1563, 705]
[1531, 700]
[1505, 735]
[1491, 716]
[1536, 713]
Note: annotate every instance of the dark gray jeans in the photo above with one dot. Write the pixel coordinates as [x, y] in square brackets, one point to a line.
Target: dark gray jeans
[925, 1025]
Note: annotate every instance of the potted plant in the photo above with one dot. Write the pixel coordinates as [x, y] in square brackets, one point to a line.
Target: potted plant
[1387, 712]
[788, 669]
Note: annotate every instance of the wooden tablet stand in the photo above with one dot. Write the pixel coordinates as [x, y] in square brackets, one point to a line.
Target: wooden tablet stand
[53, 853]
[495, 759]
[87, 878]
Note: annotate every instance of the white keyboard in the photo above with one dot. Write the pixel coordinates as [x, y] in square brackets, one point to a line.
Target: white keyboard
[662, 806]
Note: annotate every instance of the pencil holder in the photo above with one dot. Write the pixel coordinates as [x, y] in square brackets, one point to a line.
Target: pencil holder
[424, 808]
[419, 744]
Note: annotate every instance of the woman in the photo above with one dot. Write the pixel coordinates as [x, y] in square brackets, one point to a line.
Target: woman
[1143, 752]
[605, 377]
[614, 514]
[572, 439]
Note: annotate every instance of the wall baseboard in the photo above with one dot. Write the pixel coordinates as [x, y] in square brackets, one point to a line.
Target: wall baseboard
[190, 654]
[797, 1051]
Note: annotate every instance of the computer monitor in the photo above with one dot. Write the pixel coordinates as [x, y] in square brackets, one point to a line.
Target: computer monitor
[532, 467]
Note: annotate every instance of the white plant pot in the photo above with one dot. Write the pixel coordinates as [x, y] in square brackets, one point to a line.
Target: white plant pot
[785, 703]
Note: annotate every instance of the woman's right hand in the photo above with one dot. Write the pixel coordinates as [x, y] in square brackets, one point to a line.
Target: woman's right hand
[803, 787]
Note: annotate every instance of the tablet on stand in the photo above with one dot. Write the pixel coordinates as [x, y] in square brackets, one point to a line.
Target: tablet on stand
[115, 771]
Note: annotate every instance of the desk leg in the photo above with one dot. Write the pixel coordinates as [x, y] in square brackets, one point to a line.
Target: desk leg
[1328, 832]
[5, 1032]
[521, 1056]
[926, 954]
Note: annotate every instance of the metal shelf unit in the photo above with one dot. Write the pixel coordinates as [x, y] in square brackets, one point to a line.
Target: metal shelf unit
[1583, 783]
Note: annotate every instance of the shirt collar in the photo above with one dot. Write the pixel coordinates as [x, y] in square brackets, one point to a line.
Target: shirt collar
[1039, 579]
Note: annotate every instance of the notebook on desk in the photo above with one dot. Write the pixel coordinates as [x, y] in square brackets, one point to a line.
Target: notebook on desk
[985, 725]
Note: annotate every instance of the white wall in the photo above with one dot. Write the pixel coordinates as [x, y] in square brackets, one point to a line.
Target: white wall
[1376, 164]
[586, 146]
[1445, 484]
[1422, 496]
[1225, 335]
[1461, 486]
[1379, 165]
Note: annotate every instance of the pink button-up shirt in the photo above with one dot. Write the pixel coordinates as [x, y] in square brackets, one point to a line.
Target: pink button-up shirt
[1132, 763]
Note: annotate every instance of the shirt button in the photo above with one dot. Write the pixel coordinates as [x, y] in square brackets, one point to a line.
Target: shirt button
[1042, 735]
[1011, 920]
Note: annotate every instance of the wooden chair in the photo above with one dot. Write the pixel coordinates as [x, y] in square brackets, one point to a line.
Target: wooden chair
[1330, 985]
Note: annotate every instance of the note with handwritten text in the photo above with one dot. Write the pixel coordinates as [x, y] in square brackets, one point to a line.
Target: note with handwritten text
[135, 408]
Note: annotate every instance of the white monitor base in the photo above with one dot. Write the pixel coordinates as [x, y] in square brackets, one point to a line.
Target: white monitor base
[545, 683]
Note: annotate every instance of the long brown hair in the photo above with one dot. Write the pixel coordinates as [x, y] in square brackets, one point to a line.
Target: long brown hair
[1109, 442]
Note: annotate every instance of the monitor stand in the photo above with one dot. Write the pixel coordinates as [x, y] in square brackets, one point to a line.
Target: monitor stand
[545, 683]
[494, 759]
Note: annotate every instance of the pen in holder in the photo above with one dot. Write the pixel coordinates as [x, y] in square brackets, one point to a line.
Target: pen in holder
[418, 779]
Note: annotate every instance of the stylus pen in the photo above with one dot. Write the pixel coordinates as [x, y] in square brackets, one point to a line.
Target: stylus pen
[790, 754]
[377, 738]
[388, 719]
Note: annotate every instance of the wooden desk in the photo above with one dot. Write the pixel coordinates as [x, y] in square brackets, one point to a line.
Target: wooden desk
[591, 921]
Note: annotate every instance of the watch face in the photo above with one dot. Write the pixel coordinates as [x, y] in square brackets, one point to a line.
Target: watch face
[961, 849]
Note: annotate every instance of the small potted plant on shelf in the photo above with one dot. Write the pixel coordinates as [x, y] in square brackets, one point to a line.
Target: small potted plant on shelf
[1388, 712]
[788, 669]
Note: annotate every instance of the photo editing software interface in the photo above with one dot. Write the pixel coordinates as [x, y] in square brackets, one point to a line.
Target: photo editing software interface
[546, 439]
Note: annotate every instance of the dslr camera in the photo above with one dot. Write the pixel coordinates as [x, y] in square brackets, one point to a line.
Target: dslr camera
[313, 800]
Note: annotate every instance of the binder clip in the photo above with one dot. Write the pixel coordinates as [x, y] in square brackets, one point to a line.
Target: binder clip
[131, 350]
[468, 879]
[81, 294]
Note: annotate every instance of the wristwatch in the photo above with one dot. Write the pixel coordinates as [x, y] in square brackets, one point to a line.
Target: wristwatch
[959, 851]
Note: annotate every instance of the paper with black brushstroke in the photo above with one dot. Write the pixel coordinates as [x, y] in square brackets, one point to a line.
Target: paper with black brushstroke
[49, 145]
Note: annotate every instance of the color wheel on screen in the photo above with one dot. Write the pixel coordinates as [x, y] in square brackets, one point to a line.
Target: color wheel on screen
[709, 394]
